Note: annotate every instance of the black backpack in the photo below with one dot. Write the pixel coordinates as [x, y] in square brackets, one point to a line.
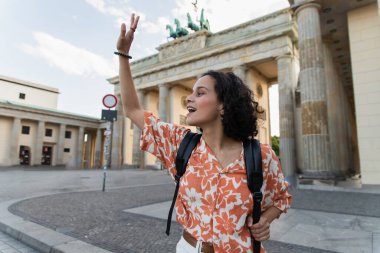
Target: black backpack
[252, 154]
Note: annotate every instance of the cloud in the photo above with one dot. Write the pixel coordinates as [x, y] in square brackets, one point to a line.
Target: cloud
[69, 58]
[155, 27]
[119, 11]
[97, 4]
[122, 13]
[107, 8]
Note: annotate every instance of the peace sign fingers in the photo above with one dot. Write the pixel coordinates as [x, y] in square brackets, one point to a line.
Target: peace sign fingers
[134, 22]
[126, 37]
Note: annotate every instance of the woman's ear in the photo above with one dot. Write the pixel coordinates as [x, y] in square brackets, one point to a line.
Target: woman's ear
[221, 109]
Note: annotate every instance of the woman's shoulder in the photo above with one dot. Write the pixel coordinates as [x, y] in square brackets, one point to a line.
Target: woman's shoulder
[265, 148]
[267, 152]
[166, 129]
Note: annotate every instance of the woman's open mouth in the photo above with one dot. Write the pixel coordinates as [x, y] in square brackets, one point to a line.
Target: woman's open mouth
[191, 110]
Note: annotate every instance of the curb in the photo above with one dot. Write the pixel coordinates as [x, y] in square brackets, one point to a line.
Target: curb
[41, 238]
[327, 188]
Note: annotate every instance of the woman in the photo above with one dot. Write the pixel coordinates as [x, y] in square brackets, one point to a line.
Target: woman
[214, 204]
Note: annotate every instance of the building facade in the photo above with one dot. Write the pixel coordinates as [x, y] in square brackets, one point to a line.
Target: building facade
[33, 132]
[322, 54]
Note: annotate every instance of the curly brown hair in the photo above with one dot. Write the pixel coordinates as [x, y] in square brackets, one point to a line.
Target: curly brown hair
[240, 110]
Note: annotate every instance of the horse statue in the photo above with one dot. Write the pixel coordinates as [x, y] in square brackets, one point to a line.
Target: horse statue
[172, 33]
[190, 24]
[180, 30]
[205, 25]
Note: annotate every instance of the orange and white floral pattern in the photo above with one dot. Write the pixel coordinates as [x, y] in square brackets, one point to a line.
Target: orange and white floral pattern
[213, 202]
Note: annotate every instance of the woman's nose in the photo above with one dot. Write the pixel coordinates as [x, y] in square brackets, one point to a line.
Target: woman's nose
[188, 98]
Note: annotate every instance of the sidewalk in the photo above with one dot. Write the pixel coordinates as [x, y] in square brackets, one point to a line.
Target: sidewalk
[133, 219]
[320, 230]
[328, 220]
[9, 244]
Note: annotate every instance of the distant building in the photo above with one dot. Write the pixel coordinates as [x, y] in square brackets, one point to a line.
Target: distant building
[33, 132]
[325, 57]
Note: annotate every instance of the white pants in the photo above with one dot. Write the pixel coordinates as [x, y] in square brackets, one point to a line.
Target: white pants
[184, 247]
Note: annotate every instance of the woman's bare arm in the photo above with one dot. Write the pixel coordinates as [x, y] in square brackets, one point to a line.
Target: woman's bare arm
[131, 105]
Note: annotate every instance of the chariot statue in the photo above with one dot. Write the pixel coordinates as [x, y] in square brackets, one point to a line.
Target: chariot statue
[190, 24]
[172, 33]
[205, 25]
[182, 31]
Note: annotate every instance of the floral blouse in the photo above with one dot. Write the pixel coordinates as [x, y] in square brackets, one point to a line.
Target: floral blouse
[213, 202]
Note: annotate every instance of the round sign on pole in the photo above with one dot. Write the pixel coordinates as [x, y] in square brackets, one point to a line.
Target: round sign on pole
[109, 101]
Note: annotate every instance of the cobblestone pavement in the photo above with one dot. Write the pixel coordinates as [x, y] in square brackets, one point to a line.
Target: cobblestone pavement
[98, 218]
[10, 245]
[20, 182]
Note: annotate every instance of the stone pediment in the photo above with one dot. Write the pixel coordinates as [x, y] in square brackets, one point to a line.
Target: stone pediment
[183, 45]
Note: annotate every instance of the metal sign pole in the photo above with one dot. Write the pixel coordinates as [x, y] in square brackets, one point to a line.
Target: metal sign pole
[107, 151]
[109, 101]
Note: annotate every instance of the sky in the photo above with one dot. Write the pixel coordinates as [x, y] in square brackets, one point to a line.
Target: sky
[69, 44]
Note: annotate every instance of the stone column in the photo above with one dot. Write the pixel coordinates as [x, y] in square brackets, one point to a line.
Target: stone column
[163, 102]
[88, 150]
[80, 147]
[117, 136]
[138, 155]
[337, 117]
[286, 85]
[61, 144]
[14, 143]
[241, 71]
[313, 93]
[98, 148]
[163, 106]
[39, 143]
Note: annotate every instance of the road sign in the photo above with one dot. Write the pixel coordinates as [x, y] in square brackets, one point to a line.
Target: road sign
[109, 101]
[109, 115]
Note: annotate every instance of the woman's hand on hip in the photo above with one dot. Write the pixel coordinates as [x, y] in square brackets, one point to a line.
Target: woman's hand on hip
[125, 39]
[261, 230]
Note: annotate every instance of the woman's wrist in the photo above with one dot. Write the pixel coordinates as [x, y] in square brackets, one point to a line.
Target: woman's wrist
[271, 213]
[122, 54]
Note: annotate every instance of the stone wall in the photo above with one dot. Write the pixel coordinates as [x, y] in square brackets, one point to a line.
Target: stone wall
[364, 32]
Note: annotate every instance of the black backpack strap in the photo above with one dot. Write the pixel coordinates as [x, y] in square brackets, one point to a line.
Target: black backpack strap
[184, 151]
[253, 162]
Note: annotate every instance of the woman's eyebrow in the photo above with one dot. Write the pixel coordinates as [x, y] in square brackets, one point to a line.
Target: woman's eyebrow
[200, 87]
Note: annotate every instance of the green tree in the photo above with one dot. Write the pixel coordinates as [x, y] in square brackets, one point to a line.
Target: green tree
[276, 144]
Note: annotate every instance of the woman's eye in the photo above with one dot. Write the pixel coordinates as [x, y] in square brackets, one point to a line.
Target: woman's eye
[199, 94]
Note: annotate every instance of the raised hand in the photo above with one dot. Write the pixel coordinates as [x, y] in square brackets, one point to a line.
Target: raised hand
[125, 39]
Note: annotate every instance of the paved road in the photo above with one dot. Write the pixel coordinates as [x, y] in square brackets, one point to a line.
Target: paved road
[16, 183]
[99, 218]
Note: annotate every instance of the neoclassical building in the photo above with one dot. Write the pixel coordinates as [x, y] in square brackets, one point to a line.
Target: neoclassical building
[34, 133]
[323, 55]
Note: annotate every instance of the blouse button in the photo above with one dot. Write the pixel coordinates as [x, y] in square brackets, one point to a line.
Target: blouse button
[217, 206]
